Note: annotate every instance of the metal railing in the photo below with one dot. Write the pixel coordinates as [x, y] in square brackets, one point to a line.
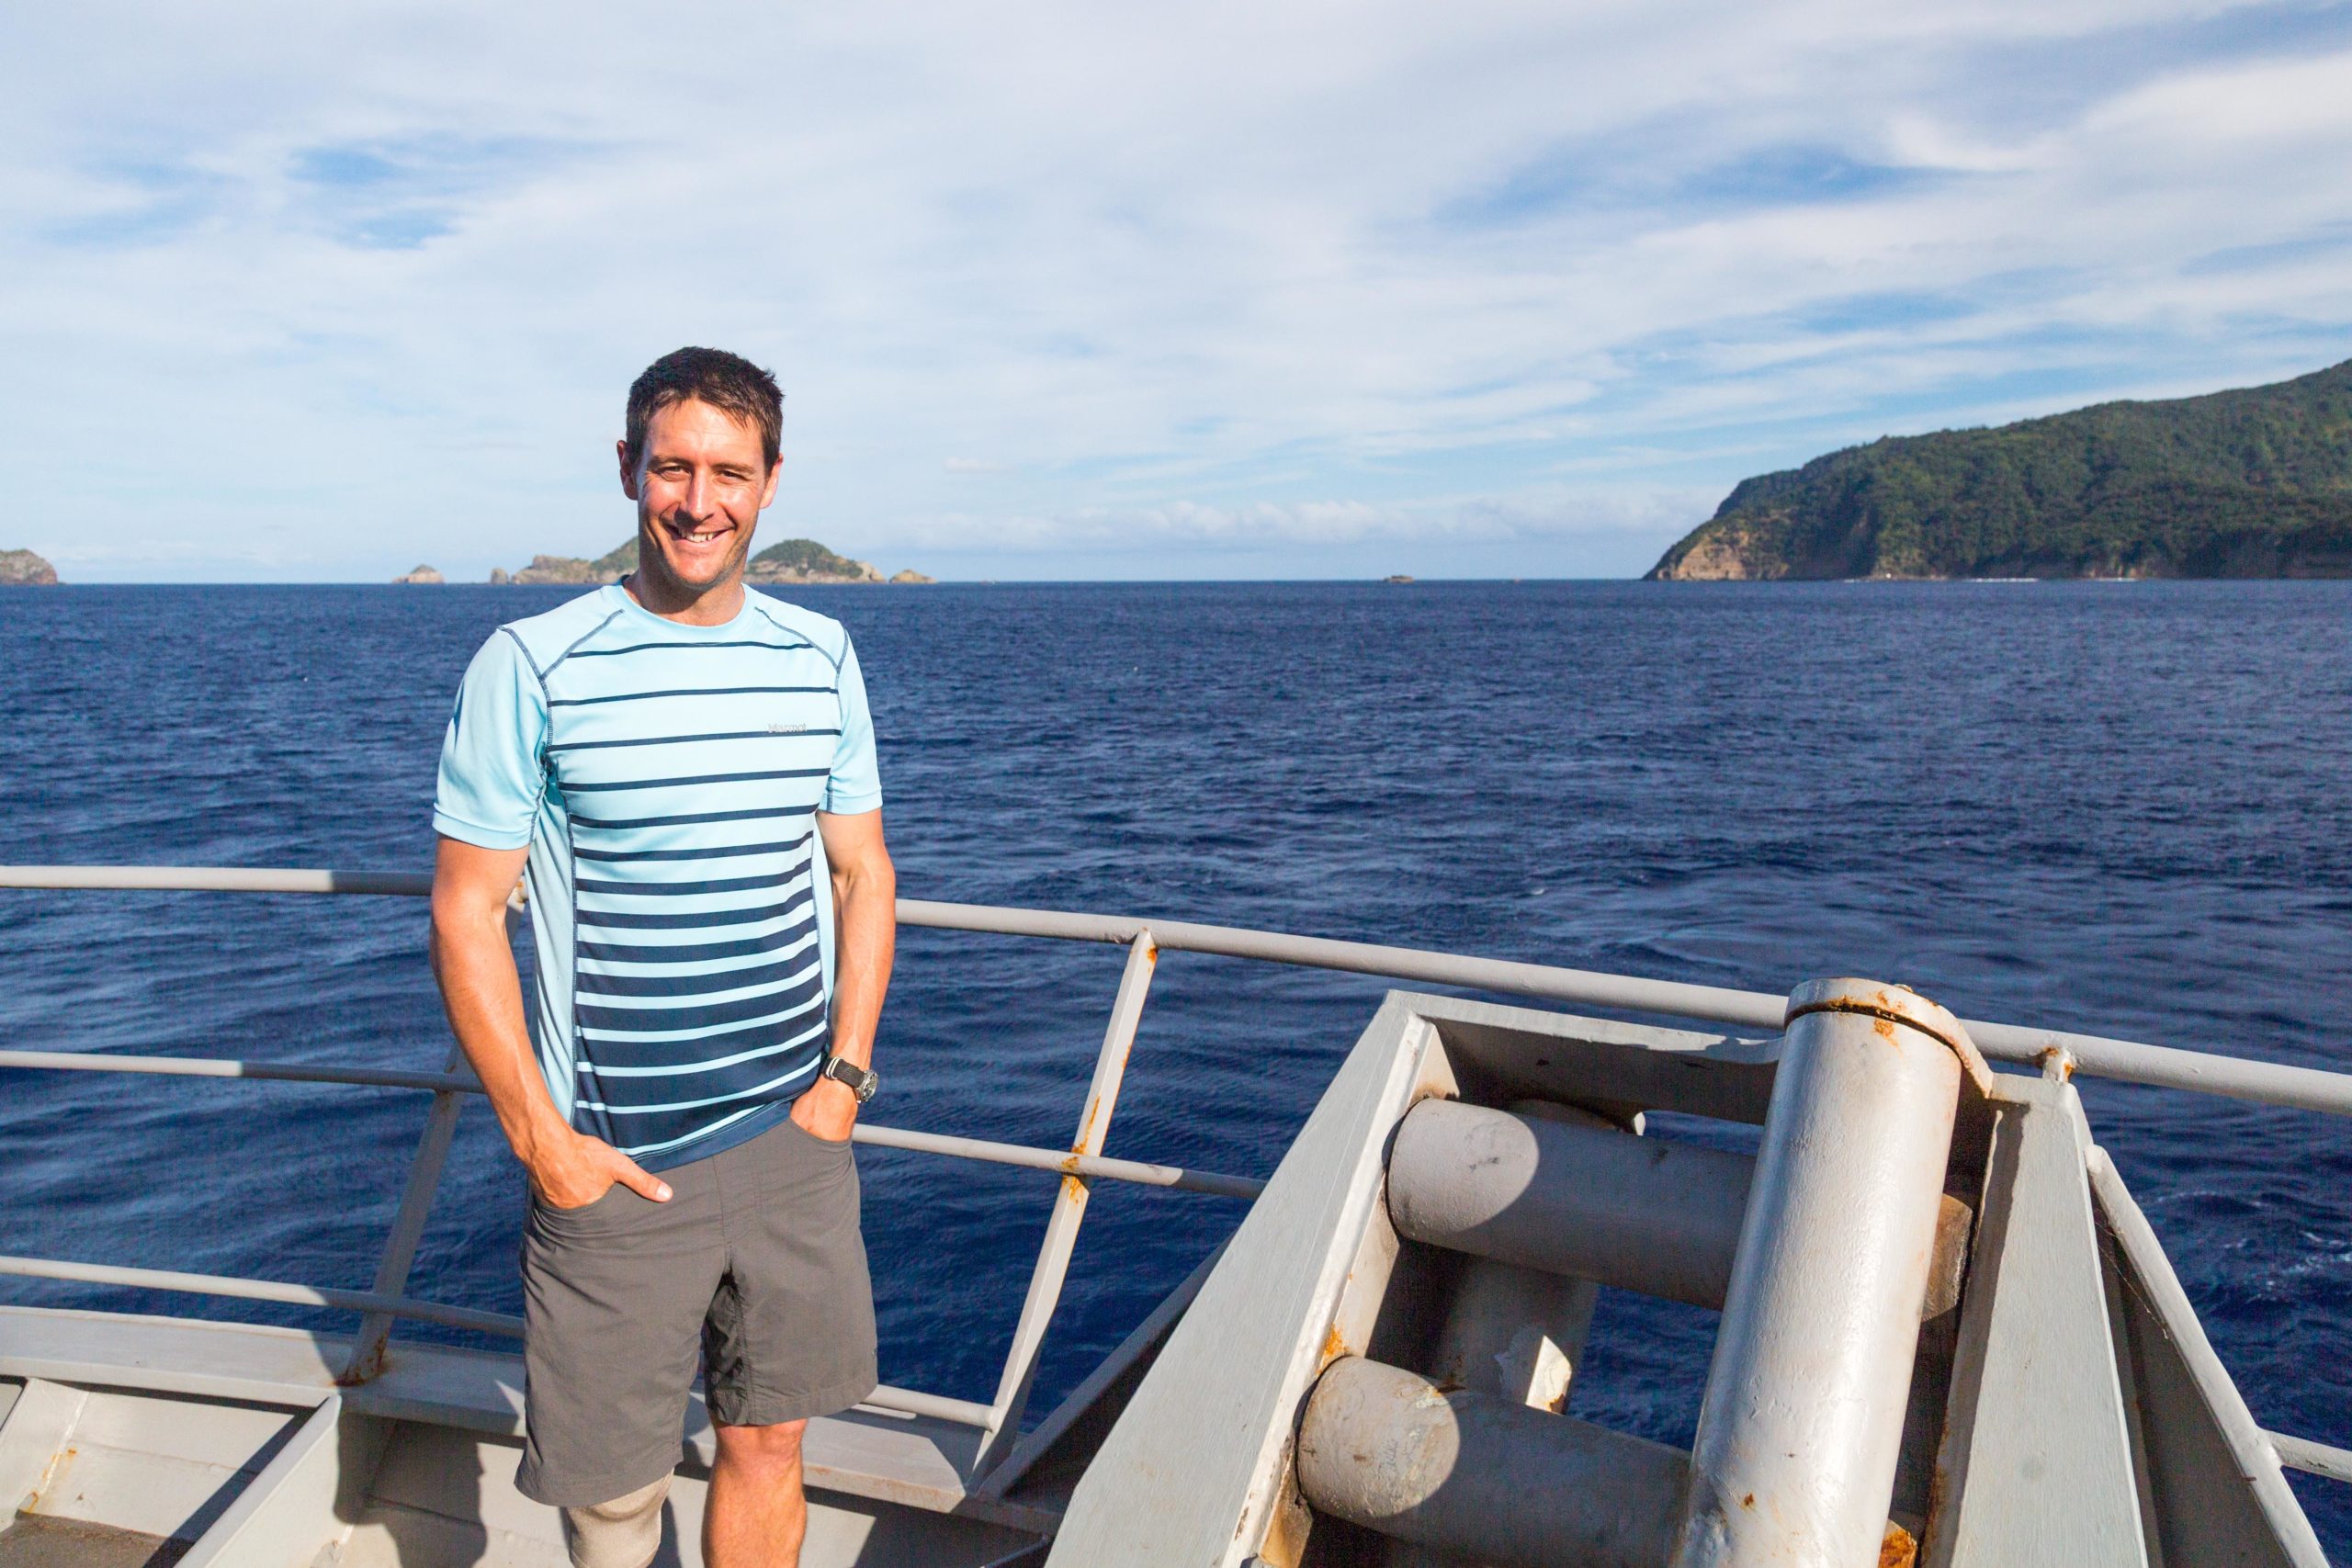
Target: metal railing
[1082, 1163]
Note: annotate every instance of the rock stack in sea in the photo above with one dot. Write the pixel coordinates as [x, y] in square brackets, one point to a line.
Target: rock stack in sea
[421, 574]
[22, 568]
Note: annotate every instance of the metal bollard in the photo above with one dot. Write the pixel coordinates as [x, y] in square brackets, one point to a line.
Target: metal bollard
[1642, 1213]
[1803, 1416]
[1518, 1332]
[1496, 1483]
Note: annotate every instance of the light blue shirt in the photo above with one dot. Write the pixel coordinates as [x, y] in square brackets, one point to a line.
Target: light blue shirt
[666, 778]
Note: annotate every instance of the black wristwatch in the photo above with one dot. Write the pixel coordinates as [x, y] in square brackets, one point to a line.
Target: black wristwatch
[862, 1081]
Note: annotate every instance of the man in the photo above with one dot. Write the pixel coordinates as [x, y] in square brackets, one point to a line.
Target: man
[685, 770]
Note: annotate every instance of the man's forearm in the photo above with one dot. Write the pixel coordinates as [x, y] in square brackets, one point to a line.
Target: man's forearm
[483, 995]
[866, 902]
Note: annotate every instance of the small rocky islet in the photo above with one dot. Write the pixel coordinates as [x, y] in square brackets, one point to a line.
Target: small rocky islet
[22, 568]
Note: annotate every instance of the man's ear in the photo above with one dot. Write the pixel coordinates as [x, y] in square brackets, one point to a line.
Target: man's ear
[628, 469]
[767, 496]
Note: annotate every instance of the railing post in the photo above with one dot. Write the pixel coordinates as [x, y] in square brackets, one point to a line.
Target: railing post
[408, 1227]
[1069, 1208]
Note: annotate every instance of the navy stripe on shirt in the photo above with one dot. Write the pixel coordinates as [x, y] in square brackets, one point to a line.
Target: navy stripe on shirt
[686, 889]
[716, 852]
[794, 734]
[752, 1080]
[665, 1019]
[684, 691]
[693, 982]
[699, 952]
[699, 779]
[673, 1054]
[624, 824]
[646, 647]
[609, 919]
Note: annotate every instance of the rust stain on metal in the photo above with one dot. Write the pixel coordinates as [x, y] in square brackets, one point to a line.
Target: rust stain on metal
[1289, 1524]
[1334, 1347]
[1899, 1550]
[1947, 1263]
[1074, 1188]
[1889, 1006]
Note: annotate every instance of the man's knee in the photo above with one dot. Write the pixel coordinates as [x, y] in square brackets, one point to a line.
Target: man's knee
[623, 1533]
[761, 1447]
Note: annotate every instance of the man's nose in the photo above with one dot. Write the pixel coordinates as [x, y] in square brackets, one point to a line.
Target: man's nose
[696, 500]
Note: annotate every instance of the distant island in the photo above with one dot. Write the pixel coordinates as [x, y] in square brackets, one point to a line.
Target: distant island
[422, 574]
[22, 568]
[792, 563]
[2255, 482]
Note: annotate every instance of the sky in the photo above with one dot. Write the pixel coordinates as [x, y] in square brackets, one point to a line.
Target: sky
[304, 293]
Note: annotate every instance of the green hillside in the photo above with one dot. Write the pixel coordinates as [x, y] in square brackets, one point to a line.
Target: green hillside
[2255, 482]
[806, 556]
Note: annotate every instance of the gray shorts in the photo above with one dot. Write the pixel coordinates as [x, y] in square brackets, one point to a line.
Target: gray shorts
[755, 1268]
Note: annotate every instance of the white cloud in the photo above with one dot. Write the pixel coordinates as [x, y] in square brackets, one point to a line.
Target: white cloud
[1183, 277]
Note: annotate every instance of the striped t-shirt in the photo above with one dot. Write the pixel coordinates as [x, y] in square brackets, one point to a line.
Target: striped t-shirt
[666, 778]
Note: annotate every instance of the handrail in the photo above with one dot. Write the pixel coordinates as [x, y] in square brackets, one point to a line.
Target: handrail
[2238, 1078]
[239, 1287]
[1141, 1173]
[2235, 1077]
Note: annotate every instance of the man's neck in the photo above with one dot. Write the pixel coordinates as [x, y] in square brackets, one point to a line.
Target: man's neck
[714, 607]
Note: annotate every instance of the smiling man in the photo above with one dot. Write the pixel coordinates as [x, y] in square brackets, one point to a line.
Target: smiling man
[684, 771]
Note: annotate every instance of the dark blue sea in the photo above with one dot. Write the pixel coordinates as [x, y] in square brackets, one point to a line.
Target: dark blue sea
[2121, 808]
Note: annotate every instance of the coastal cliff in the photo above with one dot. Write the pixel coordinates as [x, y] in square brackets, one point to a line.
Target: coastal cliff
[2254, 483]
[795, 561]
[22, 568]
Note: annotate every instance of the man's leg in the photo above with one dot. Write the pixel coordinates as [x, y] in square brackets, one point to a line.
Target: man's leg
[757, 1514]
[615, 1298]
[623, 1533]
[789, 1335]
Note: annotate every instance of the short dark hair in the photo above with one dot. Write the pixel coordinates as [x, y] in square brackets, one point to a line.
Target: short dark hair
[728, 382]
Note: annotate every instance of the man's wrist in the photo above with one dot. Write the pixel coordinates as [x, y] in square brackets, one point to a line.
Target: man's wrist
[539, 1137]
[833, 1091]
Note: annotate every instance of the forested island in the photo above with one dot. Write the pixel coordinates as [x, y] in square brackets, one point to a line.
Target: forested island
[2254, 483]
[795, 561]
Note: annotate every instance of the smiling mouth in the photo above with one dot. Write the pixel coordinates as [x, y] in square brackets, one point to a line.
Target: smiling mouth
[702, 534]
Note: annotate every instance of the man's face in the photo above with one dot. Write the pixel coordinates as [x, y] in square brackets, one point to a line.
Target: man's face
[699, 488]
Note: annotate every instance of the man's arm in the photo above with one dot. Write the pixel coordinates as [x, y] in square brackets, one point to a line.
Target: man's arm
[866, 915]
[484, 999]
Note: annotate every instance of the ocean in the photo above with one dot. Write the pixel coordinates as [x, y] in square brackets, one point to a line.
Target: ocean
[2120, 808]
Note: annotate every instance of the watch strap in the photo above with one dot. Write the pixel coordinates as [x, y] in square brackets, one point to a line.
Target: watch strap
[861, 1081]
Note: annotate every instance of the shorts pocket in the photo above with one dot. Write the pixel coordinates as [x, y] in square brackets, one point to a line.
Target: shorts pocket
[806, 1136]
[597, 1214]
